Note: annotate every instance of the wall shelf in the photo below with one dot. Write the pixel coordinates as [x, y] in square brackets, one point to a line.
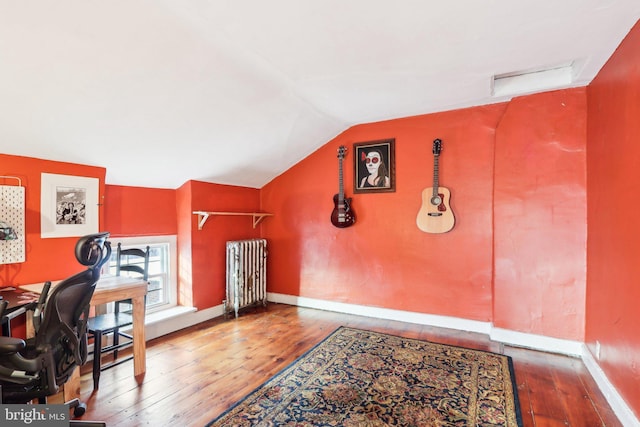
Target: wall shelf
[203, 216]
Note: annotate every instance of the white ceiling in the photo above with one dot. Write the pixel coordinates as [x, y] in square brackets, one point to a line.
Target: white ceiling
[237, 91]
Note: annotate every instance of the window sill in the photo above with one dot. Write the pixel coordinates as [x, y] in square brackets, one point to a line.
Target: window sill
[167, 314]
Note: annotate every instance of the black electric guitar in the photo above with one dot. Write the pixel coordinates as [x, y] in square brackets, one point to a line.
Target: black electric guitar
[435, 215]
[342, 215]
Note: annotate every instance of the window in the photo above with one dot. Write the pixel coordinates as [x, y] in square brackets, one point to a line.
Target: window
[161, 293]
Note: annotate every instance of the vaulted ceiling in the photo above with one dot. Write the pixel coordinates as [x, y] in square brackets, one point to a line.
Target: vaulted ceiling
[237, 91]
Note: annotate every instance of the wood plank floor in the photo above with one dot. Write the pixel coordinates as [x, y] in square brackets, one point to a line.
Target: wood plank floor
[195, 374]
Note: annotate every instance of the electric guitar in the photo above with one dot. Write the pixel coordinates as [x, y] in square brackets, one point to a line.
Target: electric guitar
[342, 215]
[435, 215]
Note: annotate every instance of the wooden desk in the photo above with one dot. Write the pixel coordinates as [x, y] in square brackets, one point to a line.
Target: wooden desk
[108, 289]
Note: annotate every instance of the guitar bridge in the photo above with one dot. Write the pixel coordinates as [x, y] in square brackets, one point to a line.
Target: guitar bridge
[434, 214]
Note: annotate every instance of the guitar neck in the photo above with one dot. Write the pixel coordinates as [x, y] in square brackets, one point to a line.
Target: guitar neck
[341, 187]
[435, 174]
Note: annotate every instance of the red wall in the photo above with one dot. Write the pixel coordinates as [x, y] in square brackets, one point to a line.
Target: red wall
[185, 222]
[136, 211]
[540, 215]
[203, 262]
[139, 211]
[613, 290]
[45, 259]
[52, 258]
[384, 260]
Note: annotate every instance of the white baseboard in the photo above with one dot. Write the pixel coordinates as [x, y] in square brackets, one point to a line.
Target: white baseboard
[163, 323]
[384, 313]
[618, 404]
[537, 342]
[519, 339]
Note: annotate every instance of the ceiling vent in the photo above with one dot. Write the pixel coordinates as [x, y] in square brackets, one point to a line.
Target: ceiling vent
[538, 80]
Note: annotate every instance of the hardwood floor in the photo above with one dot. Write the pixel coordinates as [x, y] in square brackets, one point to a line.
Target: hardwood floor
[195, 374]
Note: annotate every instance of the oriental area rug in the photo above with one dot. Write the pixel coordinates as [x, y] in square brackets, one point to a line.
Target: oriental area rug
[363, 378]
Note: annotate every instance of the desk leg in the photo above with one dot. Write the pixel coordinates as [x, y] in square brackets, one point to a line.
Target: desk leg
[30, 328]
[71, 388]
[139, 345]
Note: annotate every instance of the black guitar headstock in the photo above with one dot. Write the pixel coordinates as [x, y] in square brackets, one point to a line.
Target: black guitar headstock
[437, 146]
[341, 152]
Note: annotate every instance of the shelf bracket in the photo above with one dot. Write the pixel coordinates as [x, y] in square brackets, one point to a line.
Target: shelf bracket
[257, 217]
[202, 218]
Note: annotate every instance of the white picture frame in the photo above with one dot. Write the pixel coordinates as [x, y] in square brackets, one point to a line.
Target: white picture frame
[68, 206]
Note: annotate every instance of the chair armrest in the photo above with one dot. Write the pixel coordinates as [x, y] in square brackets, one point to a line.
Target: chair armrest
[11, 345]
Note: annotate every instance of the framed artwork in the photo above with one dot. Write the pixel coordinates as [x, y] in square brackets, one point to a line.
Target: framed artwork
[374, 166]
[68, 205]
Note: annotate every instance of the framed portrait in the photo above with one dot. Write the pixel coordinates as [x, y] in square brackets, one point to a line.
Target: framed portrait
[374, 166]
[68, 205]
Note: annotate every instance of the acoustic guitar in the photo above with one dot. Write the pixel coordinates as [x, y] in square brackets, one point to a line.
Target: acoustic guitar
[435, 215]
[342, 215]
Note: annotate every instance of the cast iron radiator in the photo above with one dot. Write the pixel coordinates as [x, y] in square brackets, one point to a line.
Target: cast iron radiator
[246, 274]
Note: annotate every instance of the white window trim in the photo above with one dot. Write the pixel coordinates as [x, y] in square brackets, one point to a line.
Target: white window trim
[173, 264]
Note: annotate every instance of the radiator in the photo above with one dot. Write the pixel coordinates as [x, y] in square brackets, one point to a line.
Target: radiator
[246, 274]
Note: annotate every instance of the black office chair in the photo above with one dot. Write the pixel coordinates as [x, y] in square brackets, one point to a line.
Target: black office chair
[37, 367]
[127, 260]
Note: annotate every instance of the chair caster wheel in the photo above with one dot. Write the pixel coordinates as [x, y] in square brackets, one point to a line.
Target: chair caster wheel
[79, 410]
